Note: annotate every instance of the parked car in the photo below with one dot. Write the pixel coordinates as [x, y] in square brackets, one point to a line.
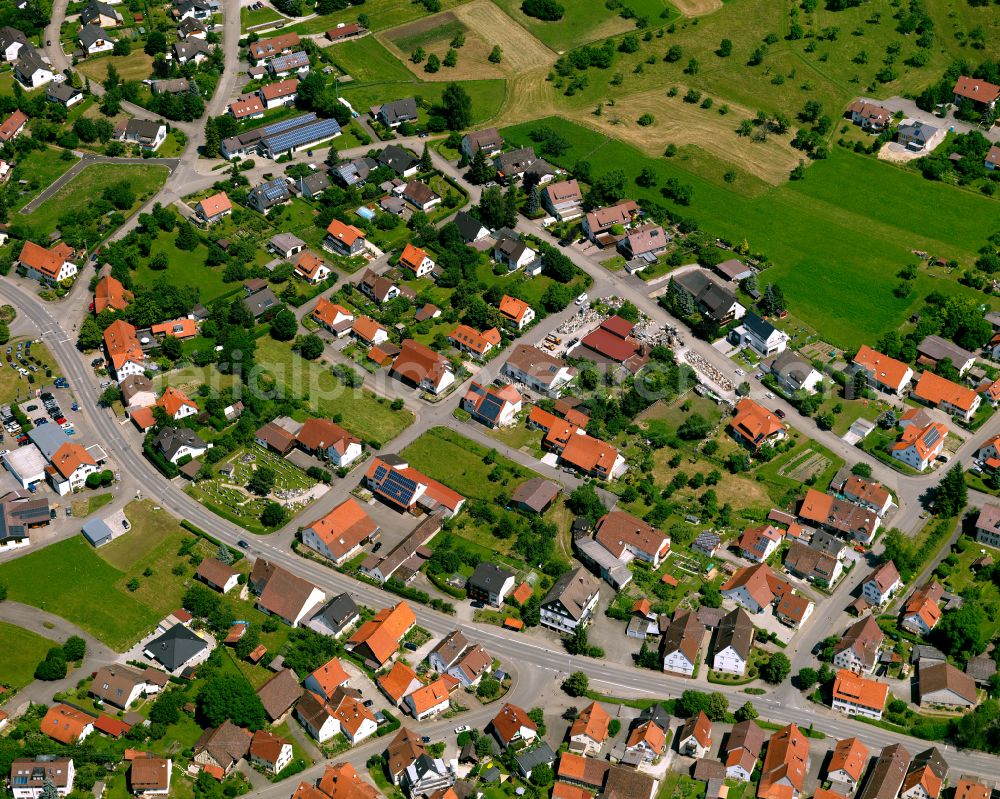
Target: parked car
[462, 728]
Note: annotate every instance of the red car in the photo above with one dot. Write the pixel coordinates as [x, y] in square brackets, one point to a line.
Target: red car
[779, 413]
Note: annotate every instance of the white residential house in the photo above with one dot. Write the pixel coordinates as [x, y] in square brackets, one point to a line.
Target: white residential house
[762, 336]
[881, 584]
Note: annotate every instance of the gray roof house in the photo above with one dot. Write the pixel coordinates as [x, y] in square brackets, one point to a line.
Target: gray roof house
[717, 302]
[490, 583]
[177, 647]
[915, 135]
[397, 112]
[339, 614]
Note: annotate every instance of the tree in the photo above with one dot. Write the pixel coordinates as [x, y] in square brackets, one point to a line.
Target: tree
[426, 164]
[725, 49]
[450, 58]
[53, 667]
[807, 678]
[773, 300]
[584, 501]
[262, 481]
[548, 10]
[284, 325]
[75, 648]
[156, 42]
[187, 237]
[310, 346]
[951, 493]
[861, 469]
[110, 396]
[960, 631]
[171, 347]
[531, 611]
[496, 55]
[456, 107]
[433, 64]
[481, 170]
[122, 47]
[228, 696]
[746, 712]
[272, 515]
[541, 774]
[694, 428]
[488, 688]
[776, 669]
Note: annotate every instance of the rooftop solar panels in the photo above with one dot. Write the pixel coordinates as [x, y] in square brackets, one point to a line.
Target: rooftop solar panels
[274, 190]
[395, 486]
[287, 124]
[931, 436]
[312, 131]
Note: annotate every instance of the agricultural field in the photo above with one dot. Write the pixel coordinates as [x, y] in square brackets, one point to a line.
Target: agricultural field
[836, 251]
[359, 411]
[23, 650]
[225, 493]
[384, 14]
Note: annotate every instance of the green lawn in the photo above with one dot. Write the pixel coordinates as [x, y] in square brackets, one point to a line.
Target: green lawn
[458, 463]
[40, 168]
[487, 95]
[145, 180]
[361, 412]
[23, 650]
[583, 21]
[257, 16]
[186, 268]
[381, 15]
[368, 61]
[835, 250]
[82, 588]
[82, 508]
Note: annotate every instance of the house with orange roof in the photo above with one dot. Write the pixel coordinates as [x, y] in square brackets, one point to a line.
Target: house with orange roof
[247, 106]
[757, 544]
[647, 740]
[516, 312]
[847, 763]
[69, 467]
[430, 699]
[627, 537]
[921, 613]
[47, 266]
[884, 373]
[311, 268]
[785, 765]
[393, 481]
[14, 124]
[694, 738]
[67, 725]
[280, 93]
[939, 392]
[837, 514]
[859, 696]
[269, 751]
[333, 317]
[793, 609]
[967, 788]
[868, 493]
[981, 94]
[491, 405]
[925, 776]
[589, 730]
[124, 350]
[213, 209]
[379, 639]
[919, 447]
[327, 439]
[755, 588]
[344, 239]
[343, 713]
[592, 457]
[511, 725]
[110, 293]
[178, 328]
[416, 261]
[340, 534]
[471, 341]
[398, 682]
[418, 365]
[327, 678]
[754, 425]
[368, 331]
[176, 404]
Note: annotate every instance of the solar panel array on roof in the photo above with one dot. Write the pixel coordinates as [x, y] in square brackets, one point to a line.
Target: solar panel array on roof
[310, 132]
[274, 190]
[490, 407]
[931, 436]
[286, 124]
[395, 486]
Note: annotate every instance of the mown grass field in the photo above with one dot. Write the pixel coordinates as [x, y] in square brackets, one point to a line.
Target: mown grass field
[134, 66]
[82, 588]
[457, 462]
[836, 242]
[381, 15]
[40, 168]
[90, 183]
[583, 21]
[23, 650]
[378, 76]
[361, 412]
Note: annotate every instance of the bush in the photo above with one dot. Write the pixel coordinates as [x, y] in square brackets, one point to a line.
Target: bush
[548, 10]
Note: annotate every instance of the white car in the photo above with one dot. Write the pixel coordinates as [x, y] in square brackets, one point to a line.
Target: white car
[740, 372]
[463, 728]
[769, 395]
[4, 452]
[582, 299]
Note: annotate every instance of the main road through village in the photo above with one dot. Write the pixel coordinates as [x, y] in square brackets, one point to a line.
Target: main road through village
[538, 665]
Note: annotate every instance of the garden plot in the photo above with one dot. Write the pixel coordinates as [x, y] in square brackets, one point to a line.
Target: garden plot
[226, 492]
[807, 465]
